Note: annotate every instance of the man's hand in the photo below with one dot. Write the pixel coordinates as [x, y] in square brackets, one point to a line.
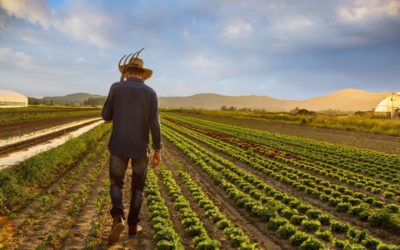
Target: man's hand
[155, 161]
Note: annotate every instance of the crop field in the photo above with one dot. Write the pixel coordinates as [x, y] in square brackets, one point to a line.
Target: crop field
[17, 121]
[220, 186]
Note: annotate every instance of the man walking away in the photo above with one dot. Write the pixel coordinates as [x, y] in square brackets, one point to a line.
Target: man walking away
[131, 105]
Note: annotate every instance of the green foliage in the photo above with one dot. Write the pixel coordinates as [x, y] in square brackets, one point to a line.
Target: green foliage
[324, 235]
[286, 231]
[275, 223]
[311, 225]
[29, 114]
[385, 219]
[24, 182]
[343, 207]
[312, 244]
[298, 238]
[297, 219]
[339, 227]
[288, 158]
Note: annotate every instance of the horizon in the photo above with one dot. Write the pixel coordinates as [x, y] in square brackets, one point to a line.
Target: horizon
[340, 90]
[280, 49]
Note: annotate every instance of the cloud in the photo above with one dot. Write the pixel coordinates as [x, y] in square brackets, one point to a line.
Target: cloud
[80, 60]
[292, 25]
[29, 39]
[362, 10]
[81, 22]
[206, 64]
[224, 46]
[16, 58]
[87, 28]
[237, 29]
[35, 12]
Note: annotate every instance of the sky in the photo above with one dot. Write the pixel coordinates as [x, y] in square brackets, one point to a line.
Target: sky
[289, 49]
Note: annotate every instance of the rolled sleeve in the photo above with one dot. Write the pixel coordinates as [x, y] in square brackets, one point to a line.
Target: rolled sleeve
[107, 112]
[155, 123]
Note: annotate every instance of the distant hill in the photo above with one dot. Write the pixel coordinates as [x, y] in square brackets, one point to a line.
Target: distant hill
[344, 100]
[76, 98]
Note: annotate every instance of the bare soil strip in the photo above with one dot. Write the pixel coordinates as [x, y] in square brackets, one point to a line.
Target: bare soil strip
[10, 130]
[5, 150]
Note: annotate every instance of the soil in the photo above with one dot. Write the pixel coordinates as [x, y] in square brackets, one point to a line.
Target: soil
[384, 143]
[5, 150]
[10, 130]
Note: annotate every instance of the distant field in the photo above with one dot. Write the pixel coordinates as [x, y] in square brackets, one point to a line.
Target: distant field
[16, 121]
[367, 123]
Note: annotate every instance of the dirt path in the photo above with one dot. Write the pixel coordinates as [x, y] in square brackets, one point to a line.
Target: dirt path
[213, 231]
[75, 238]
[383, 143]
[252, 226]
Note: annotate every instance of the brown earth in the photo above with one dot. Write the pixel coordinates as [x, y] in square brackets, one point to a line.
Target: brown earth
[5, 150]
[10, 130]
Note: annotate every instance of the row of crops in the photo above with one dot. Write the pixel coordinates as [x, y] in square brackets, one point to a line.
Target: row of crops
[311, 194]
[219, 187]
[43, 197]
[33, 114]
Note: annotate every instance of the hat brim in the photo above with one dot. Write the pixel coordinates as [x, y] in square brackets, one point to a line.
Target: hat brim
[146, 73]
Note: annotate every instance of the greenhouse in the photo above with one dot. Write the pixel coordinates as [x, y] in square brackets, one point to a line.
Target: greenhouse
[9, 98]
[391, 104]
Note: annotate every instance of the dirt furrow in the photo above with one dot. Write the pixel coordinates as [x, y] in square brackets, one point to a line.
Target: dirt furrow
[78, 231]
[213, 231]
[176, 219]
[52, 220]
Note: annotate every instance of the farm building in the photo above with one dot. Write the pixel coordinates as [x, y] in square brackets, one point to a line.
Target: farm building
[391, 104]
[9, 98]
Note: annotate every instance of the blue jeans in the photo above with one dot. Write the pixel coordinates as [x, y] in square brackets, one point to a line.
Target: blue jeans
[117, 168]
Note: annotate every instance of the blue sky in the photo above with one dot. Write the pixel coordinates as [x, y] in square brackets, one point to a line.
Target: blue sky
[291, 49]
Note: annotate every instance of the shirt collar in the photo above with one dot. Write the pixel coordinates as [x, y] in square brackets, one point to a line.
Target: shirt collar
[132, 78]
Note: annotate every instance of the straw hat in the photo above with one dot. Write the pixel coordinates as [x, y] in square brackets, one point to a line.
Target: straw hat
[133, 61]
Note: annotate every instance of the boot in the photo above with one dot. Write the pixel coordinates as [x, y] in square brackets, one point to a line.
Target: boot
[135, 229]
[116, 229]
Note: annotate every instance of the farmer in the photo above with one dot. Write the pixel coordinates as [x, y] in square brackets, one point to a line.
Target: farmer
[131, 105]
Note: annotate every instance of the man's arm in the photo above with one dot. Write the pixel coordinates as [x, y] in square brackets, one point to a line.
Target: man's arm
[107, 112]
[155, 123]
[155, 131]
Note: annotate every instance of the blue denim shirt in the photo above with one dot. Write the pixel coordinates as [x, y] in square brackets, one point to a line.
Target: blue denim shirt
[132, 107]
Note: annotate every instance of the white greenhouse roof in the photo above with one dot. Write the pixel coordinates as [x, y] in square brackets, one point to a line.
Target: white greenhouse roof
[10, 93]
[386, 105]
